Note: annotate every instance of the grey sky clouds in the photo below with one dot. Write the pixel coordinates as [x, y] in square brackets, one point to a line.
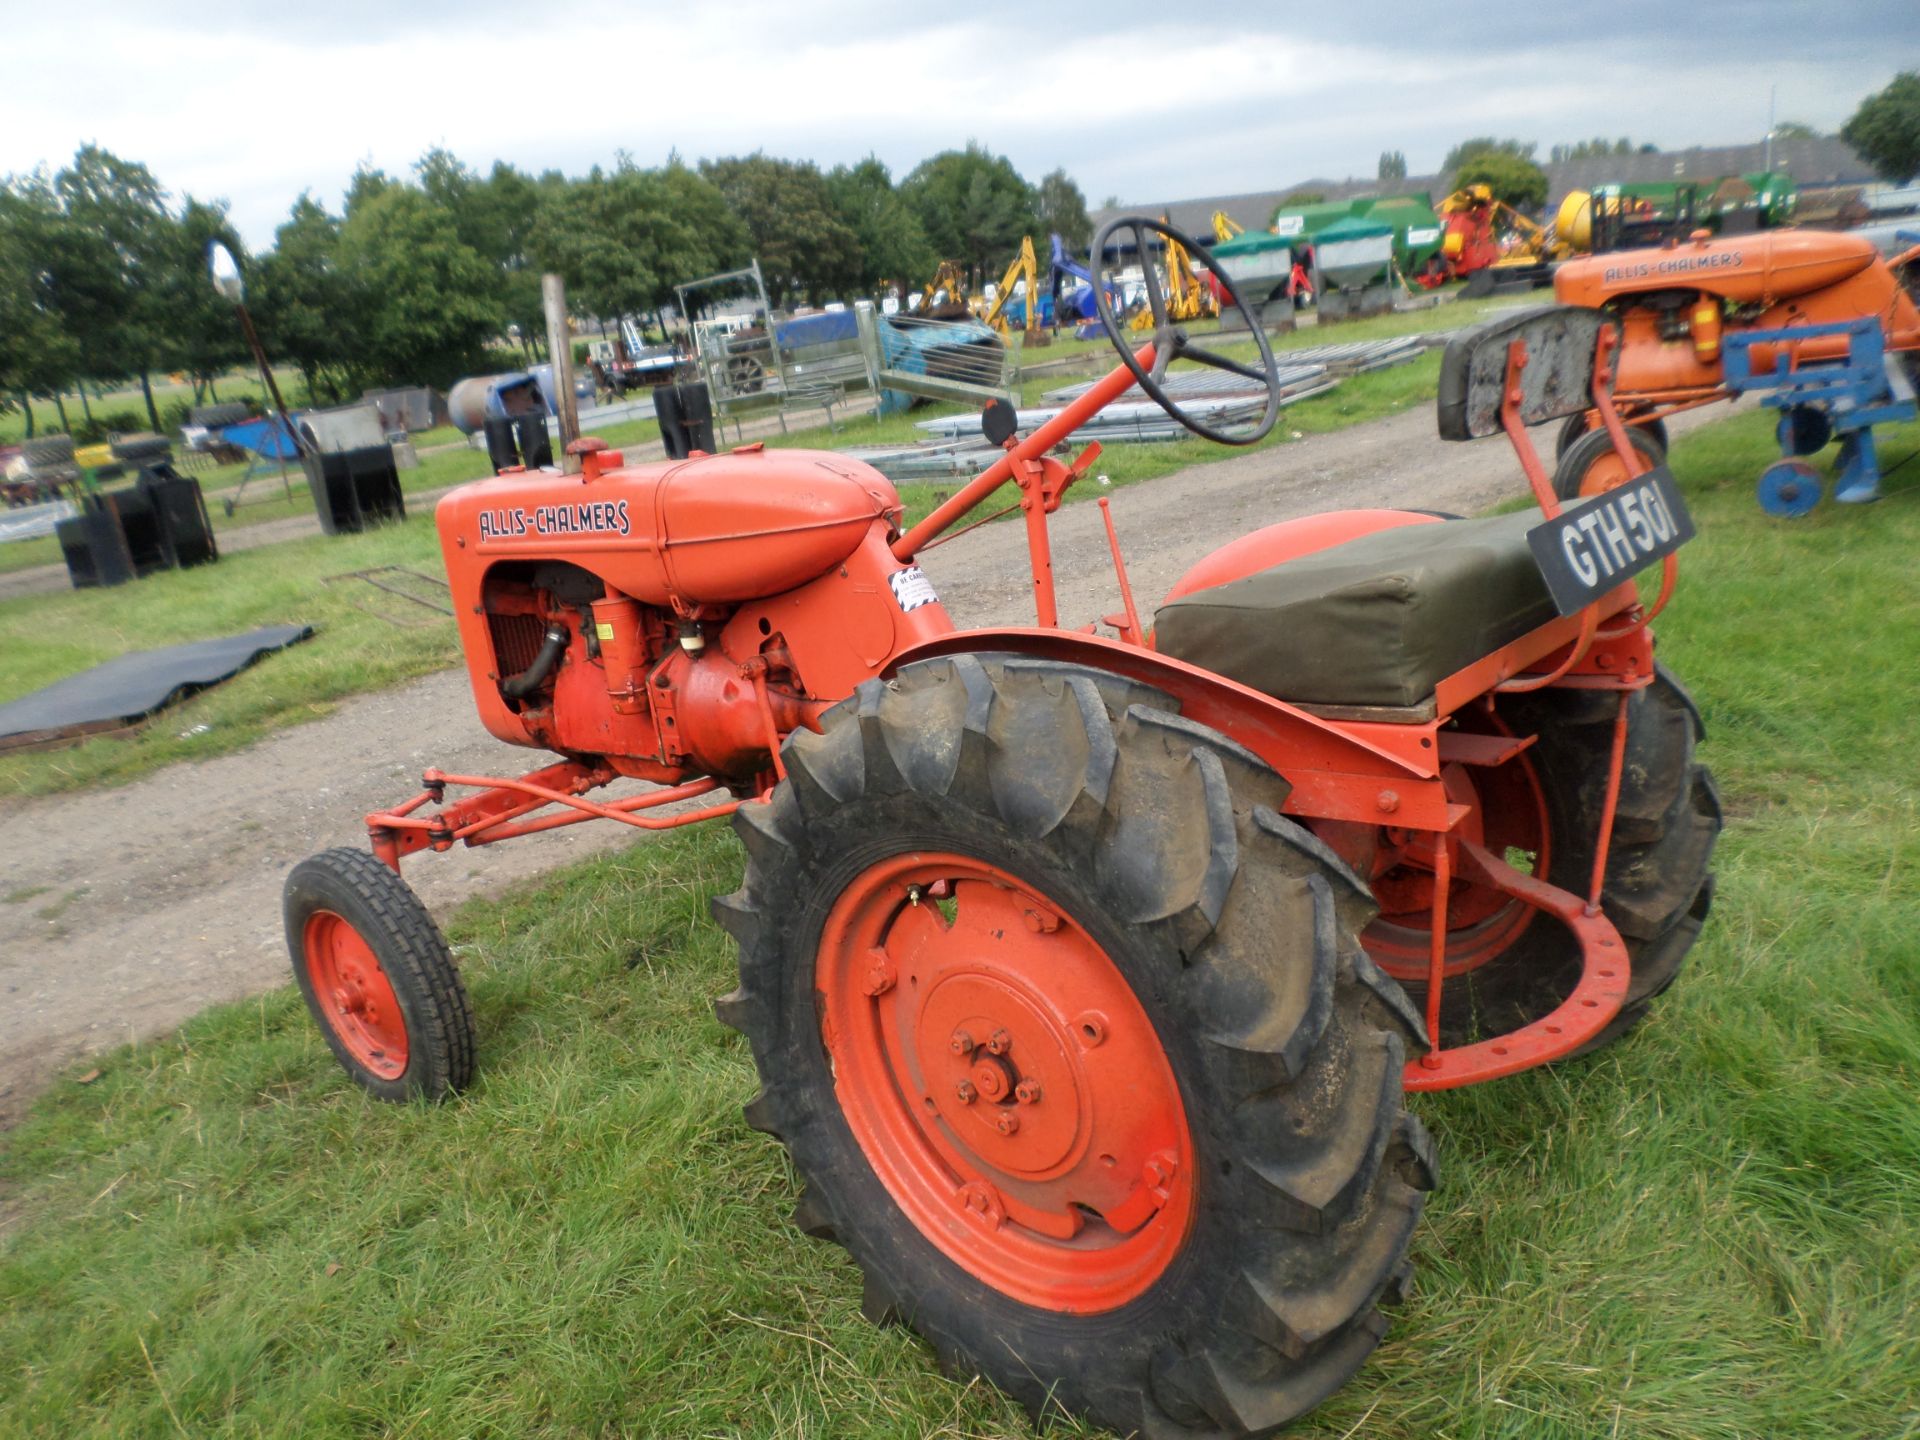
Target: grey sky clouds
[255, 103]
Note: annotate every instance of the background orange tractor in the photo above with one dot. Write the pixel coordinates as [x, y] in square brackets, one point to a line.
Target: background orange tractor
[1680, 306]
[1085, 975]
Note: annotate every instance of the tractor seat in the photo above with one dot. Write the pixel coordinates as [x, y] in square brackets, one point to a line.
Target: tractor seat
[1378, 621]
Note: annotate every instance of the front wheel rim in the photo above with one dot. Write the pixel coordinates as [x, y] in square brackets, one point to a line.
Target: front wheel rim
[1004, 1082]
[354, 995]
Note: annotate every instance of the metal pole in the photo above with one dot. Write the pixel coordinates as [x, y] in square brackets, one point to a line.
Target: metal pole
[560, 350]
[279, 405]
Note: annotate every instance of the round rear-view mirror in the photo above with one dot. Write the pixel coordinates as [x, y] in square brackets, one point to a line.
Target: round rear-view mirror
[226, 272]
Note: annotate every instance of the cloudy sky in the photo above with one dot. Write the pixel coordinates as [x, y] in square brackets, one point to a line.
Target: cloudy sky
[255, 102]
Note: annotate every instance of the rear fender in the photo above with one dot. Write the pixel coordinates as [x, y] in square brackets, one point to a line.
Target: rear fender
[1363, 772]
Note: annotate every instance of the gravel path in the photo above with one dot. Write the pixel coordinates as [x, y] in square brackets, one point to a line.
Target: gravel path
[158, 898]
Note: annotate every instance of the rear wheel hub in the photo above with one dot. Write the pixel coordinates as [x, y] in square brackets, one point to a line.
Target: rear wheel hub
[1008, 1090]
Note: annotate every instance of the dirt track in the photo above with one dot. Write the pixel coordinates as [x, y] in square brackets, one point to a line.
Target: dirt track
[164, 896]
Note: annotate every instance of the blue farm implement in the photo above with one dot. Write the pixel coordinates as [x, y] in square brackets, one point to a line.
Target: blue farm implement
[1821, 401]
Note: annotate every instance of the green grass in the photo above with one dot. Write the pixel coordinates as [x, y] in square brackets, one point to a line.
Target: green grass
[48, 637]
[1709, 1232]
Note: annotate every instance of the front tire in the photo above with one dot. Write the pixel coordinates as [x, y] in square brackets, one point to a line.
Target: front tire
[1591, 466]
[996, 872]
[377, 977]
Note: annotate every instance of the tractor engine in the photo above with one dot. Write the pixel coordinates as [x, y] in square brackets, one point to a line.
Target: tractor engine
[628, 615]
[585, 672]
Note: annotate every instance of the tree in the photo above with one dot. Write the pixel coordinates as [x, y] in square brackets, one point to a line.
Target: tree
[1512, 178]
[494, 216]
[37, 356]
[196, 328]
[1062, 210]
[110, 275]
[973, 204]
[622, 241]
[1393, 166]
[307, 307]
[893, 246]
[1886, 129]
[432, 302]
[1481, 145]
[1795, 130]
[798, 236]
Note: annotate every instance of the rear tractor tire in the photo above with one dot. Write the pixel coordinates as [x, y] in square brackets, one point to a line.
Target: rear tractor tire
[1658, 886]
[1074, 1047]
[378, 978]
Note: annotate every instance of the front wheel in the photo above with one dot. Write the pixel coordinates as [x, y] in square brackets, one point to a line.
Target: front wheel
[1591, 466]
[377, 977]
[1075, 1049]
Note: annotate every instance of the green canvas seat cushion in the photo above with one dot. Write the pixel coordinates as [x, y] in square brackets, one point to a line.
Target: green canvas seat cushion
[1376, 621]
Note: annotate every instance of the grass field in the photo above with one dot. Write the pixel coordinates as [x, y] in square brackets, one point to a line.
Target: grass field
[48, 637]
[1710, 1232]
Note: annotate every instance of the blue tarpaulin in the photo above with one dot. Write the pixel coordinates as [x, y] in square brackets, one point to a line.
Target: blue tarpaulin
[267, 436]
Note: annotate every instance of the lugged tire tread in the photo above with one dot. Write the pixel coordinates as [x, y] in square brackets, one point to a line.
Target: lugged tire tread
[1255, 1029]
[414, 954]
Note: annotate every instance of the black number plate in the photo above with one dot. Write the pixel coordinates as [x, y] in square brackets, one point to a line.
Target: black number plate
[1597, 544]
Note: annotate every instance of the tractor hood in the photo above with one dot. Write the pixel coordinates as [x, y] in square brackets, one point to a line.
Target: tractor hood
[715, 529]
[1746, 269]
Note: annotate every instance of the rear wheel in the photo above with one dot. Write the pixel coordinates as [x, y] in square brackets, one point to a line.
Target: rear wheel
[377, 977]
[1074, 1047]
[1508, 965]
[1591, 466]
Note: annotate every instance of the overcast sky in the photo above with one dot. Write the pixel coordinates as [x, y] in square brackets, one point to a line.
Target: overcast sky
[1149, 102]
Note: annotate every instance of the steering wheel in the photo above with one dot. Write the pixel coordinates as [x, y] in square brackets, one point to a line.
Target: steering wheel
[1170, 340]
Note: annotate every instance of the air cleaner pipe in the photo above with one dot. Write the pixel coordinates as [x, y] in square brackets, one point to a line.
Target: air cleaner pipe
[522, 685]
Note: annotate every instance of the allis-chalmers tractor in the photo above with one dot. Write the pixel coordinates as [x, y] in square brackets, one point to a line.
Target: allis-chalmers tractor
[1085, 974]
[1819, 318]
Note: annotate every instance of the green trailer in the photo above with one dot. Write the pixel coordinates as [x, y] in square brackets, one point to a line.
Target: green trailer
[1417, 228]
[1353, 268]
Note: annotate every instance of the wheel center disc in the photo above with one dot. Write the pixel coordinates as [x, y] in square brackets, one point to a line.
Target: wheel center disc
[365, 1014]
[986, 1006]
[1004, 1082]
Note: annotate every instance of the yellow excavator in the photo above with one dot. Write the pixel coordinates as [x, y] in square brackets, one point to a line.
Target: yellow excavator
[1225, 227]
[1188, 298]
[1025, 267]
[952, 279]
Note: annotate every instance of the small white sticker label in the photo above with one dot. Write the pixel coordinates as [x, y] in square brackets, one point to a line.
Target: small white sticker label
[911, 588]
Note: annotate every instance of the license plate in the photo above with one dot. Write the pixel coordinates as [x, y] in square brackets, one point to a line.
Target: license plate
[1594, 545]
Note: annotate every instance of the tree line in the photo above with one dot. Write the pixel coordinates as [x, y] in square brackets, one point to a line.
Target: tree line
[417, 277]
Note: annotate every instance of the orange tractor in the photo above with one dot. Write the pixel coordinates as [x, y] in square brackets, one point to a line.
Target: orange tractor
[1788, 305]
[1086, 974]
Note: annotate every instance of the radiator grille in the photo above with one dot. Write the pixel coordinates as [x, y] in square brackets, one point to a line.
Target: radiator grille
[516, 641]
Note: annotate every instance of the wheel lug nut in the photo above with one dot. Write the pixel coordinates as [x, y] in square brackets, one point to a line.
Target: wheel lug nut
[961, 1043]
[999, 1043]
[1027, 1092]
[966, 1092]
[1008, 1122]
